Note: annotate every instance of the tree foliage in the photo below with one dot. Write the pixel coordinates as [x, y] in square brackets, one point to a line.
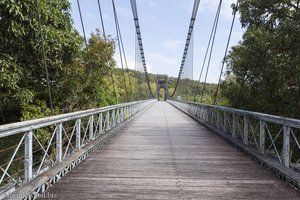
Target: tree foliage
[23, 78]
[263, 70]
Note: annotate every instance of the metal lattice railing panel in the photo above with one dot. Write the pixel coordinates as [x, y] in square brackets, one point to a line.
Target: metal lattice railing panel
[274, 136]
[29, 148]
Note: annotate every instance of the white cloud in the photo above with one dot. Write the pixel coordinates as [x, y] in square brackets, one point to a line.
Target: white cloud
[131, 63]
[187, 5]
[149, 68]
[161, 58]
[152, 3]
[171, 44]
[211, 6]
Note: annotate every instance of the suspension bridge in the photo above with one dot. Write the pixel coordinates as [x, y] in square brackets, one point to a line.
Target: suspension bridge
[151, 149]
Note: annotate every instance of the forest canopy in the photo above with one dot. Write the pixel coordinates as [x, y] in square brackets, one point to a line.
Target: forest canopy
[263, 71]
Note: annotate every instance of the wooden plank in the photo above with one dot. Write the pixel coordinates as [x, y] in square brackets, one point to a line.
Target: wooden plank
[163, 154]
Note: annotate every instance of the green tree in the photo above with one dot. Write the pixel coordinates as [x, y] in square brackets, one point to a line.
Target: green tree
[21, 57]
[263, 70]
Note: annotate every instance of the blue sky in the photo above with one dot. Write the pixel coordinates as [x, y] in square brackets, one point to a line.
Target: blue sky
[164, 25]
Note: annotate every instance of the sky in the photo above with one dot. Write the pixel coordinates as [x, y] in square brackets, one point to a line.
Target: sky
[164, 25]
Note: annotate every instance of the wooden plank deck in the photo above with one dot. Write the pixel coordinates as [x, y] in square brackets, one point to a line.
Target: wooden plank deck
[164, 154]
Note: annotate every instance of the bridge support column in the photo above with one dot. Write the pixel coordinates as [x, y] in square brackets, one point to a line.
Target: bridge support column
[59, 142]
[262, 136]
[286, 146]
[246, 130]
[78, 134]
[28, 156]
[91, 128]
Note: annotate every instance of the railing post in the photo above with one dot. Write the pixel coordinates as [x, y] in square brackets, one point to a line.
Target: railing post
[59, 142]
[78, 133]
[118, 115]
[286, 146]
[212, 116]
[113, 118]
[129, 111]
[262, 136]
[28, 156]
[202, 113]
[233, 125]
[134, 108]
[91, 128]
[225, 122]
[246, 130]
[208, 115]
[126, 112]
[195, 110]
[107, 118]
[100, 123]
[218, 118]
[121, 114]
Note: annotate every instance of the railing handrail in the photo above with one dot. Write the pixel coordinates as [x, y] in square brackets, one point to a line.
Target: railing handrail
[19, 127]
[270, 139]
[263, 116]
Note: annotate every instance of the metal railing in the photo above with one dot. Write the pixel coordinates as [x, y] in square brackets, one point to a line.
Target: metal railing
[274, 136]
[30, 148]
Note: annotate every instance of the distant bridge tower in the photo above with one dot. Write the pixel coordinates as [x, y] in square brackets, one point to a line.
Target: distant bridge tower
[189, 61]
[162, 84]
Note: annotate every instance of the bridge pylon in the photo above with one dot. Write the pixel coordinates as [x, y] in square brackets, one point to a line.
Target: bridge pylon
[162, 84]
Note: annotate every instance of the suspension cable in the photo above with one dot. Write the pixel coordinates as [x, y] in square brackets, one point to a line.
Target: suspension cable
[140, 42]
[44, 56]
[120, 48]
[83, 29]
[101, 18]
[211, 49]
[123, 51]
[87, 54]
[112, 70]
[226, 50]
[187, 43]
[205, 56]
